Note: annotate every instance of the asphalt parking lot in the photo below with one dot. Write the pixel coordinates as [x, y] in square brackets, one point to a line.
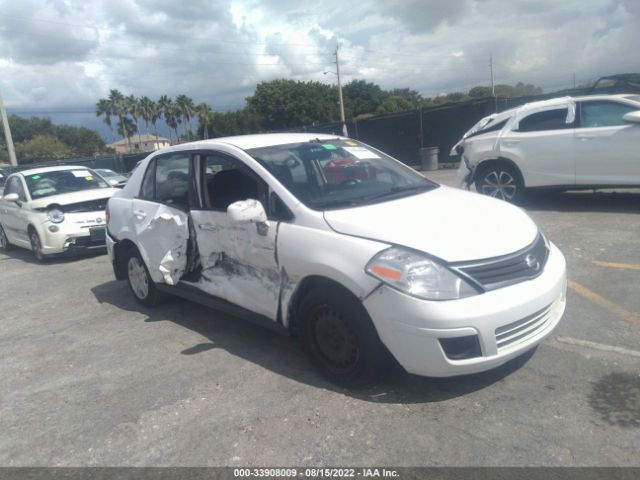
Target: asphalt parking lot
[89, 377]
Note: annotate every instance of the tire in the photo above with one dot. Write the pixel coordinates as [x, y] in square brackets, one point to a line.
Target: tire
[36, 245]
[340, 338]
[501, 181]
[142, 287]
[4, 241]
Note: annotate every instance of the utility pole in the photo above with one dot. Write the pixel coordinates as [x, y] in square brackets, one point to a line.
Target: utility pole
[493, 87]
[7, 134]
[342, 120]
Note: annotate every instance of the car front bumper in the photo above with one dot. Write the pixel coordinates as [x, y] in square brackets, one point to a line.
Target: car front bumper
[79, 233]
[507, 322]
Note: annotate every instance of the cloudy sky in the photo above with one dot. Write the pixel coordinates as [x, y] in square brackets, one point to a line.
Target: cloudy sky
[58, 57]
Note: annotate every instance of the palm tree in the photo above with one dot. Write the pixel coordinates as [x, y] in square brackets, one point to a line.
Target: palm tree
[103, 107]
[133, 109]
[205, 117]
[186, 109]
[118, 107]
[169, 110]
[149, 113]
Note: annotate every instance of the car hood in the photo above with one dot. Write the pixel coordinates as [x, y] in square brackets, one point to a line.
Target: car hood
[448, 223]
[75, 197]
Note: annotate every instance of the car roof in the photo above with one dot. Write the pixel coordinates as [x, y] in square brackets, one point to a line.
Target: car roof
[36, 171]
[246, 142]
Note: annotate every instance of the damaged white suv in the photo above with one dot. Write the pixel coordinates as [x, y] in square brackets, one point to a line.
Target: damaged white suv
[332, 240]
[562, 144]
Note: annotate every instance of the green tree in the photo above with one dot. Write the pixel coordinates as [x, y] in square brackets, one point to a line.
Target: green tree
[42, 148]
[186, 109]
[133, 108]
[290, 103]
[126, 128]
[205, 118]
[394, 104]
[103, 108]
[82, 141]
[118, 106]
[168, 109]
[362, 97]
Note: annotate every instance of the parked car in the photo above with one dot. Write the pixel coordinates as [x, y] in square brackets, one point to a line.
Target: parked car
[3, 178]
[358, 262]
[54, 210]
[114, 179]
[563, 144]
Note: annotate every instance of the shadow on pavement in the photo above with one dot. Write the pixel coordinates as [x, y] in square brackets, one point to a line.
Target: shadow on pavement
[284, 355]
[584, 201]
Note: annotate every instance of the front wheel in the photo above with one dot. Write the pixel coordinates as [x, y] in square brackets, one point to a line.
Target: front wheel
[36, 245]
[340, 337]
[140, 283]
[4, 241]
[500, 181]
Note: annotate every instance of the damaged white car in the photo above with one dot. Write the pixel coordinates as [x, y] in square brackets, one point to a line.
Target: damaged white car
[335, 242]
[561, 144]
[54, 210]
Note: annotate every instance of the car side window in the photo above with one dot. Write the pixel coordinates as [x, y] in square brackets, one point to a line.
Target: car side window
[548, 120]
[15, 186]
[603, 114]
[172, 179]
[148, 189]
[227, 180]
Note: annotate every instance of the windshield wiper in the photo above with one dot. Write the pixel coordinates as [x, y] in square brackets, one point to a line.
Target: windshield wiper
[399, 191]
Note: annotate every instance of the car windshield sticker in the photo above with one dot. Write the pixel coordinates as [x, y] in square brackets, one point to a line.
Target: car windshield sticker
[328, 146]
[361, 153]
[81, 173]
[350, 143]
[35, 177]
[88, 178]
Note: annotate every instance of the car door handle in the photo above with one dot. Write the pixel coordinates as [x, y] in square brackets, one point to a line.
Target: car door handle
[510, 143]
[207, 226]
[584, 136]
[140, 214]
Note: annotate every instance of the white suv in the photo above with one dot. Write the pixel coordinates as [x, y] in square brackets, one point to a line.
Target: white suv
[564, 143]
[334, 241]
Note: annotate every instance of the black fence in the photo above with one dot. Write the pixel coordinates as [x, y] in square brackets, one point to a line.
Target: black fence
[403, 134]
[116, 162]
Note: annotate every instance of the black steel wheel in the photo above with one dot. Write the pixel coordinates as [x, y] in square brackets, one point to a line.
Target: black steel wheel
[340, 337]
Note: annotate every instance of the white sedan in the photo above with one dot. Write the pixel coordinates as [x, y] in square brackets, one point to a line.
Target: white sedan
[333, 241]
[54, 210]
[563, 144]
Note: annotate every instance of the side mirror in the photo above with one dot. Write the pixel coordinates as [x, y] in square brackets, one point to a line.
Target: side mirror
[249, 211]
[632, 117]
[11, 197]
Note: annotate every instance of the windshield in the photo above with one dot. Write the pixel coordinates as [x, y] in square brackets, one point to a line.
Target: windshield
[46, 184]
[107, 173]
[339, 173]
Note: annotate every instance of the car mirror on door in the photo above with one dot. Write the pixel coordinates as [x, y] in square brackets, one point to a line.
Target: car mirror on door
[632, 117]
[11, 197]
[249, 211]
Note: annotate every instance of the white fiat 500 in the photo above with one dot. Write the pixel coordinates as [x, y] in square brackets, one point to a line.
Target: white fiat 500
[336, 242]
[54, 210]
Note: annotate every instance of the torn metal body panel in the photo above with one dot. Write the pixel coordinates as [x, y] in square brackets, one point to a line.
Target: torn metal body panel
[163, 235]
[238, 262]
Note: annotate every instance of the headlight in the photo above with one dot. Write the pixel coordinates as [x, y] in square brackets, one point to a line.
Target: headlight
[55, 215]
[418, 275]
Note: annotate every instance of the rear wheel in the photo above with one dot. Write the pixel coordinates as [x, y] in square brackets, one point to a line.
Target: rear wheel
[4, 241]
[500, 181]
[340, 337]
[36, 245]
[140, 283]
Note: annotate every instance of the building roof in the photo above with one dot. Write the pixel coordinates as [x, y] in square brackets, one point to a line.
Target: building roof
[144, 138]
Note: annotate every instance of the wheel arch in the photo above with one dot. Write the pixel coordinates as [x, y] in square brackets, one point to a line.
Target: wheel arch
[121, 250]
[484, 164]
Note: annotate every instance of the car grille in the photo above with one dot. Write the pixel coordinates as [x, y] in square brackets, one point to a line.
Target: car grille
[523, 329]
[90, 206]
[510, 269]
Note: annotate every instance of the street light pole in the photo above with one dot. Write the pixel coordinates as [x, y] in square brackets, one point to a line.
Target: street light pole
[342, 119]
[7, 134]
